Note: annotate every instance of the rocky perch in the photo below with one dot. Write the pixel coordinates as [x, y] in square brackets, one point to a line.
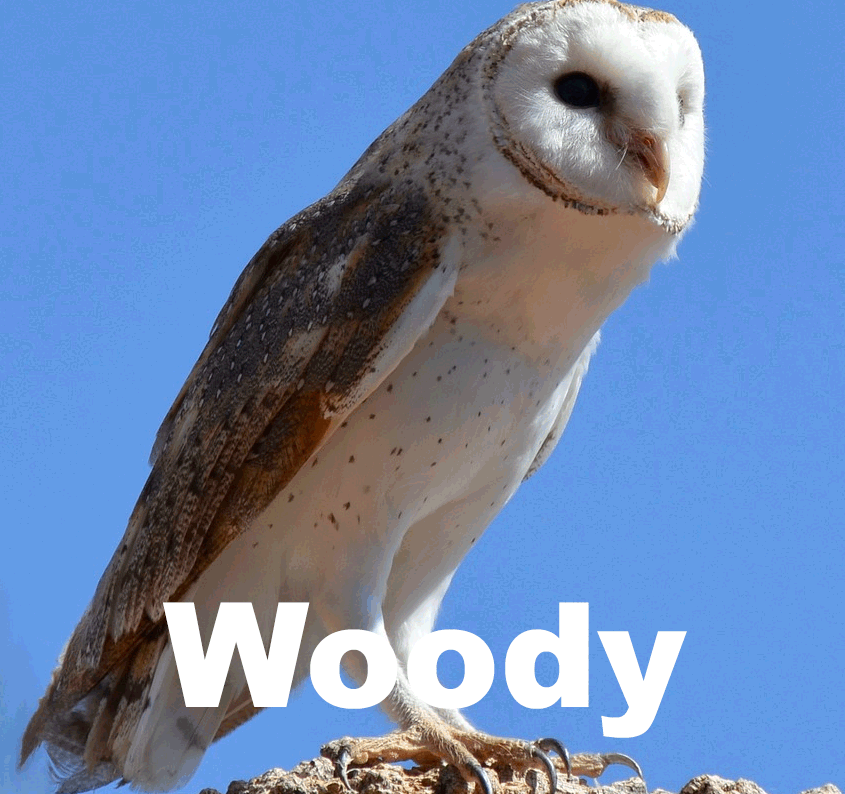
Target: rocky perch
[318, 777]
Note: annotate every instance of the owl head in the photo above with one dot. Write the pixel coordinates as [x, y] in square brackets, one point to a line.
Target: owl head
[600, 104]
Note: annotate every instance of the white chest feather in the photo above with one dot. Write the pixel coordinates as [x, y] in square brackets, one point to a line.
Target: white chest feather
[460, 415]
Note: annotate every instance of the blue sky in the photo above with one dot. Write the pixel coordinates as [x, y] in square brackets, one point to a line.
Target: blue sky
[149, 149]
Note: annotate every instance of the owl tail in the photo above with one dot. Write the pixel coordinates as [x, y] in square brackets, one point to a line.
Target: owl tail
[67, 734]
[132, 726]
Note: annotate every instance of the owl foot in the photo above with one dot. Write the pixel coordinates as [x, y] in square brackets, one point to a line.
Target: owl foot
[432, 742]
[407, 746]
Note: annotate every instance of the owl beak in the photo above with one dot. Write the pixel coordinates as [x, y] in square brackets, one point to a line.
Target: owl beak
[652, 153]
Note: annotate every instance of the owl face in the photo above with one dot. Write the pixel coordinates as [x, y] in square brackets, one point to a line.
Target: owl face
[602, 104]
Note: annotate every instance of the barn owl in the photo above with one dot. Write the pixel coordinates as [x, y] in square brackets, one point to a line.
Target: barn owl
[389, 367]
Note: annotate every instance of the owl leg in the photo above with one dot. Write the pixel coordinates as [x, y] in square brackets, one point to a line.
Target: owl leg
[432, 736]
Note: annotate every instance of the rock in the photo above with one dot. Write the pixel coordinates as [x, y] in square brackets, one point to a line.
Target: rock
[318, 777]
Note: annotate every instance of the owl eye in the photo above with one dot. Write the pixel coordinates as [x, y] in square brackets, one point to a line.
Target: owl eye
[578, 90]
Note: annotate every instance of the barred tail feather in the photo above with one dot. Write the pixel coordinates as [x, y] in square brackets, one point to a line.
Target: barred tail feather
[65, 732]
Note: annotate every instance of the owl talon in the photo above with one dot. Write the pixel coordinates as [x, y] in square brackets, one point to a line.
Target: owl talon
[340, 753]
[536, 752]
[550, 744]
[623, 760]
[341, 765]
[481, 778]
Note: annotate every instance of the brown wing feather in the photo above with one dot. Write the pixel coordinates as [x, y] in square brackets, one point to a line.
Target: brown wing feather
[284, 364]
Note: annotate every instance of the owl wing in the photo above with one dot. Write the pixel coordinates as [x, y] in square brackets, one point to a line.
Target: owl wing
[572, 382]
[322, 313]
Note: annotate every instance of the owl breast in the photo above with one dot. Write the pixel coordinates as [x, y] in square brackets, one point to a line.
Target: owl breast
[458, 422]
